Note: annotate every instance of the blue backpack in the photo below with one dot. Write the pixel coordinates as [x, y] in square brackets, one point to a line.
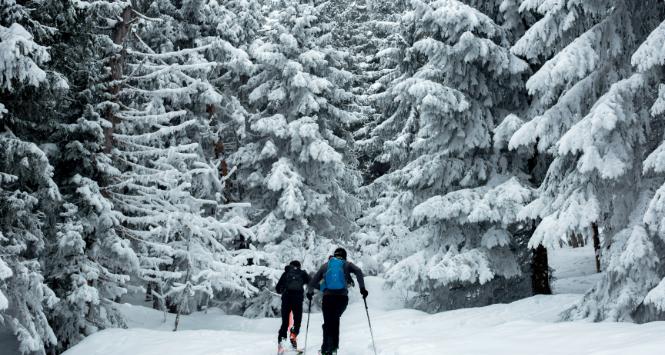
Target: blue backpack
[335, 278]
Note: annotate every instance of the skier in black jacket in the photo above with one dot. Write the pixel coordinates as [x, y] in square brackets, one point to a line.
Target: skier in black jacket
[333, 279]
[290, 286]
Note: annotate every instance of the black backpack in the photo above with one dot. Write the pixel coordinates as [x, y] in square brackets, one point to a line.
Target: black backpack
[294, 280]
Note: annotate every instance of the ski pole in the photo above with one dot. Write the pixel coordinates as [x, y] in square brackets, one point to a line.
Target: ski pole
[371, 332]
[309, 311]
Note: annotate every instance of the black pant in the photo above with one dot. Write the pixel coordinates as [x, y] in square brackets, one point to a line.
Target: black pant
[291, 303]
[333, 307]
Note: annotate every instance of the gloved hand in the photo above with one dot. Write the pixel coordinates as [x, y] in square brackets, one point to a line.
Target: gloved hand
[310, 295]
[363, 291]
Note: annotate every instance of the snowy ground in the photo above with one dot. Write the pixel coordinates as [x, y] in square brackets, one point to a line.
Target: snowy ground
[526, 327]
[574, 269]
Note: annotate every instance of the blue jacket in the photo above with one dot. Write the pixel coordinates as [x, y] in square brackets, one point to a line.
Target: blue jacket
[349, 268]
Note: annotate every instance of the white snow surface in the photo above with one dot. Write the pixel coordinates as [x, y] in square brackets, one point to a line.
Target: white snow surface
[528, 327]
[574, 269]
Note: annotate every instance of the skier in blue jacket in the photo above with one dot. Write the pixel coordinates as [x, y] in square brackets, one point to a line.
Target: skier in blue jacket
[333, 279]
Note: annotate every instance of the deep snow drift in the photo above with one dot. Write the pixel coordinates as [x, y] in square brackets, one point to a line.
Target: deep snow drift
[525, 327]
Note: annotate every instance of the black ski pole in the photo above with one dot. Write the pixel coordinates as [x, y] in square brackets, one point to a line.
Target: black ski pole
[371, 332]
[309, 311]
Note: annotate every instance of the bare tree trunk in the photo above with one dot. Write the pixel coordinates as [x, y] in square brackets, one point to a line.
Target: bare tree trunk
[581, 240]
[576, 240]
[596, 244]
[183, 297]
[158, 303]
[148, 292]
[119, 35]
[177, 319]
[572, 239]
[220, 152]
[540, 272]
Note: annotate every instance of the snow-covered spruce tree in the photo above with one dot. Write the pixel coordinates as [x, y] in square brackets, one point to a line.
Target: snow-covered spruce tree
[236, 21]
[444, 215]
[359, 28]
[634, 262]
[27, 192]
[168, 190]
[395, 65]
[376, 43]
[591, 113]
[649, 59]
[87, 264]
[594, 185]
[349, 23]
[295, 157]
[579, 59]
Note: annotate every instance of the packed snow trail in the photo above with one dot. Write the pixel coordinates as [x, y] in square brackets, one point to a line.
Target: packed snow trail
[527, 327]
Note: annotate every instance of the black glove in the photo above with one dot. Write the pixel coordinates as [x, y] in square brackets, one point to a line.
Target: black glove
[363, 291]
[310, 295]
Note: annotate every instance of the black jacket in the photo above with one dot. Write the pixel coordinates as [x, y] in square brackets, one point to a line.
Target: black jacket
[349, 268]
[281, 284]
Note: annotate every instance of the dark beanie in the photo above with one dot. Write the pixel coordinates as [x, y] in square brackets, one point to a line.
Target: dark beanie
[340, 253]
[295, 263]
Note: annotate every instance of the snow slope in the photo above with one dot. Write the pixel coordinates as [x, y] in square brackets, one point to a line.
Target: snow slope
[526, 327]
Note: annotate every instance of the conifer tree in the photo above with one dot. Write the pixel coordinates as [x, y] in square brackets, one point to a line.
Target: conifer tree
[168, 189]
[455, 79]
[591, 114]
[88, 264]
[376, 62]
[27, 190]
[649, 59]
[295, 156]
